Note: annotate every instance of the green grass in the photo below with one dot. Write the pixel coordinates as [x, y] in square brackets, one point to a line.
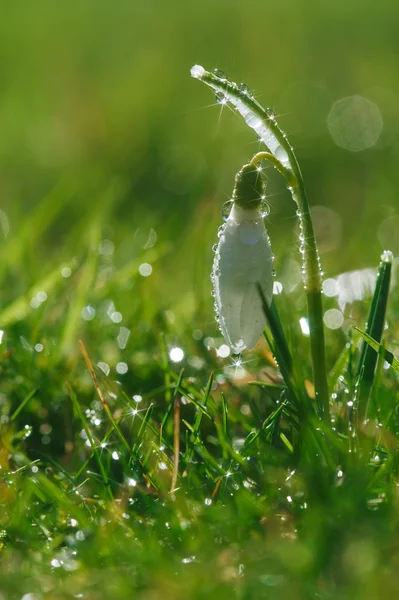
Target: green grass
[111, 158]
[267, 502]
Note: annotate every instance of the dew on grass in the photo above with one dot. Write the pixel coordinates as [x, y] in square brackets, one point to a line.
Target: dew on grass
[34, 303]
[106, 248]
[243, 88]
[221, 98]
[197, 71]
[219, 73]
[304, 325]
[105, 368]
[39, 347]
[137, 398]
[88, 313]
[176, 354]
[123, 337]
[208, 501]
[223, 351]
[145, 269]
[55, 563]
[387, 256]
[333, 318]
[122, 368]
[66, 272]
[330, 287]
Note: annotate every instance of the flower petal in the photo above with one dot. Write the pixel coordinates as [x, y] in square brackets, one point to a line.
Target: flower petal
[243, 257]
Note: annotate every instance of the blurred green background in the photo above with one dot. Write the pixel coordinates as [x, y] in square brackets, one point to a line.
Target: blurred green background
[100, 120]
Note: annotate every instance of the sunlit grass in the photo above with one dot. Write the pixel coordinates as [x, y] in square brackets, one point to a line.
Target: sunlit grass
[262, 504]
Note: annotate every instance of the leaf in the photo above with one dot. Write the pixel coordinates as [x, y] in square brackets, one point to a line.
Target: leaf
[375, 327]
[382, 351]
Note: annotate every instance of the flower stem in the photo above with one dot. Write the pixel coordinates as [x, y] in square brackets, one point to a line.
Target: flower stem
[282, 157]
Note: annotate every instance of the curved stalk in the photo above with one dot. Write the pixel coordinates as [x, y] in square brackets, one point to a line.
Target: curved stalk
[282, 157]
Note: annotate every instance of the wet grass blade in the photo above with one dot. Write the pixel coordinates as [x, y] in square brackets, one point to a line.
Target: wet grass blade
[80, 415]
[279, 346]
[142, 429]
[195, 432]
[374, 329]
[380, 349]
[224, 416]
[169, 407]
[22, 405]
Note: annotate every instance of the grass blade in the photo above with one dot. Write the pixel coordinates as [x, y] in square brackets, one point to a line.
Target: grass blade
[79, 413]
[374, 329]
[380, 349]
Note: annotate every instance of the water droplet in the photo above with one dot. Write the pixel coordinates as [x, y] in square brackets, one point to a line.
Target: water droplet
[237, 349]
[226, 209]
[219, 73]
[221, 230]
[387, 256]
[197, 71]
[221, 98]
[214, 247]
[264, 208]
[271, 114]
[243, 88]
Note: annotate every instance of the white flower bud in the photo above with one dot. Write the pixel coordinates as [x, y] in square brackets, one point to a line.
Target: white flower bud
[243, 258]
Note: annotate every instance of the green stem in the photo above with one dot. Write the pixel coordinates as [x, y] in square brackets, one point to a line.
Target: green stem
[311, 274]
[282, 156]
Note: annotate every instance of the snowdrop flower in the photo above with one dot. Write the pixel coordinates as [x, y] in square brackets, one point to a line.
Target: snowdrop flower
[243, 259]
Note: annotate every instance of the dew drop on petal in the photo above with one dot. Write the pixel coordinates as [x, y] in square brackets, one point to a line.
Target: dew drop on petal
[226, 209]
[221, 230]
[264, 208]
